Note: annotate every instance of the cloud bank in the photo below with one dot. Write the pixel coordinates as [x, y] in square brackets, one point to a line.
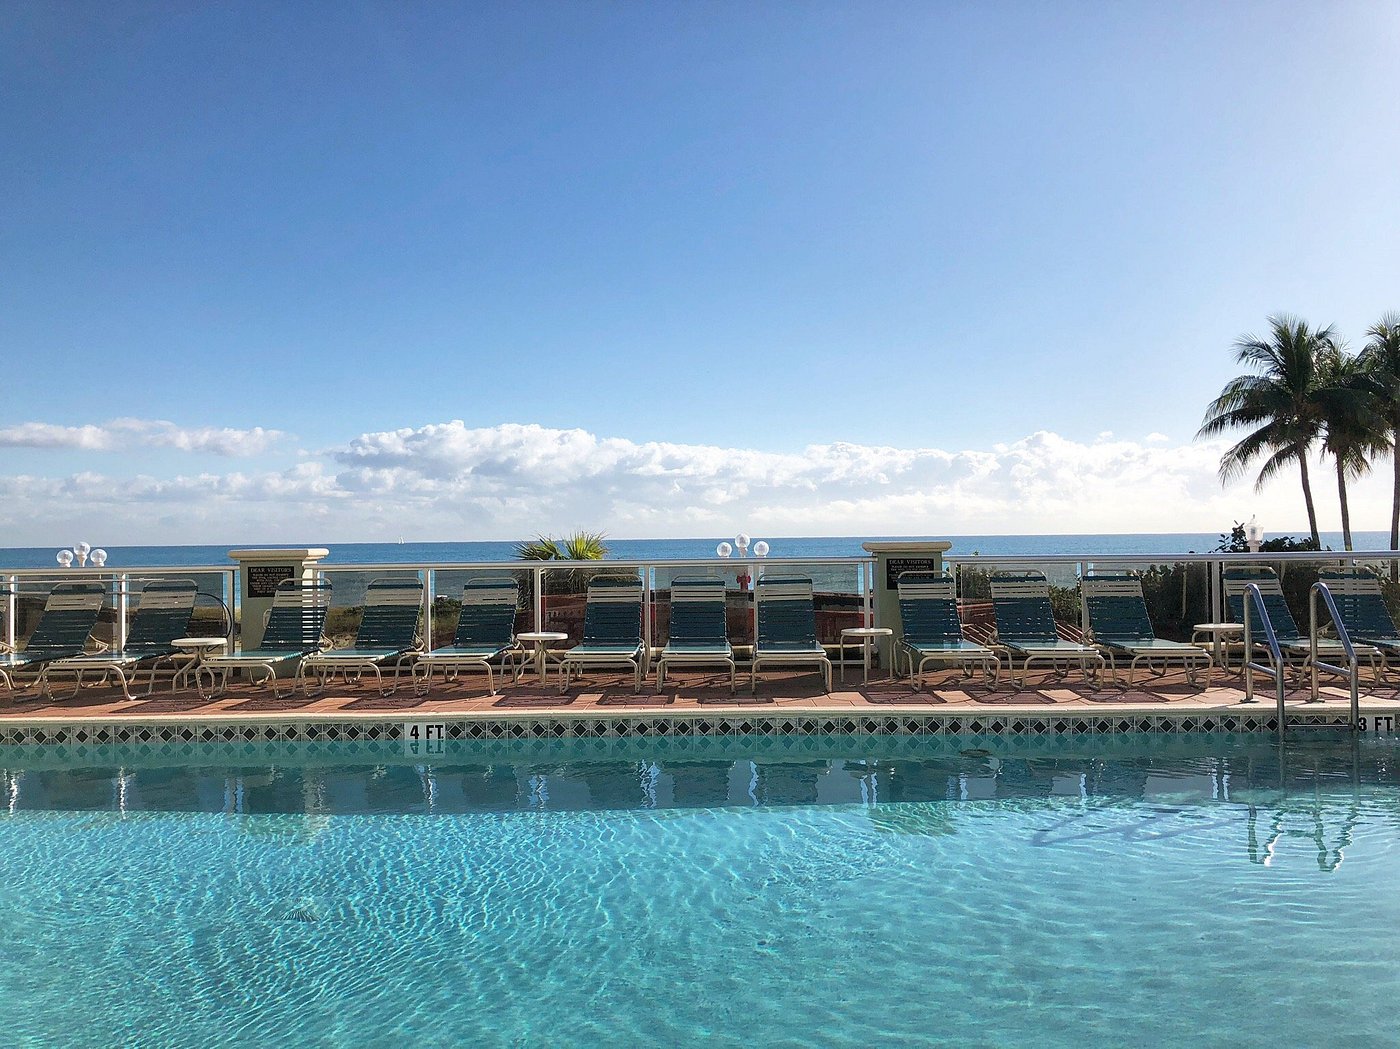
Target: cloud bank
[123, 434]
[450, 481]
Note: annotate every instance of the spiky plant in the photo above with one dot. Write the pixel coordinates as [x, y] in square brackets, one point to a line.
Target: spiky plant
[578, 546]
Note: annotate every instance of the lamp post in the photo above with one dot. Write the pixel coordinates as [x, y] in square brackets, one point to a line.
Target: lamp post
[742, 543]
[82, 553]
[1253, 535]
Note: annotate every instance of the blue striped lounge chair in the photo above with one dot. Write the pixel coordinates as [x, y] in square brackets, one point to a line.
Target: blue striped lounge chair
[1295, 646]
[163, 613]
[612, 630]
[1119, 624]
[932, 630]
[485, 632]
[1361, 604]
[387, 636]
[787, 627]
[293, 631]
[70, 613]
[699, 635]
[1026, 627]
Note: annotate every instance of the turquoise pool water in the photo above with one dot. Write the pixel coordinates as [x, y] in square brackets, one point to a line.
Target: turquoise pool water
[1123, 891]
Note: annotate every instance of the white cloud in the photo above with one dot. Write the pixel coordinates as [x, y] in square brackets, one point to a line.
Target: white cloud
[121, 434]
[451, 481]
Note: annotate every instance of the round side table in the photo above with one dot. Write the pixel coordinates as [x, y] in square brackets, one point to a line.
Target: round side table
[866, 634]
[540, 639]
[199, 648]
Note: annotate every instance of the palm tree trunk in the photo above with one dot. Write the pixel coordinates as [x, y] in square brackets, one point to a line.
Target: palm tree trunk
[1395, 496]
[1307, 496]
[1346, 512]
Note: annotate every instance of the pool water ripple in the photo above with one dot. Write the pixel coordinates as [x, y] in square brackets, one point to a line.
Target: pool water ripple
[1206, 897]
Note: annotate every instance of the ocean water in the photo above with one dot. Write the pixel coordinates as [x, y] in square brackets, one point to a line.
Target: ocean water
[662, 549]
[787, 893]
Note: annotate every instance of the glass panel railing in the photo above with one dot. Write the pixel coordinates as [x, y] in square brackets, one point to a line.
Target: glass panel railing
[564, 596]
[348, 587]
[447, 598]
[1176, 593]
[975, 590]
[840, 602]
[738, 599]
[1388, 571]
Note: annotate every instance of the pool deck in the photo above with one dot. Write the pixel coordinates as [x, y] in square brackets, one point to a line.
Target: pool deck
[695, 695]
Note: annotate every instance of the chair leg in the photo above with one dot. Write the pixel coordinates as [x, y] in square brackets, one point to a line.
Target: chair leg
[125, 684]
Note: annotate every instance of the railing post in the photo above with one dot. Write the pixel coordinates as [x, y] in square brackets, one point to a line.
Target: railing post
[1083, 608]
[1213, 584]
[230, 578]
[648, 609]
[539, 598]
[11, 612]
[122, 586]
[867, 587]
[429, 578]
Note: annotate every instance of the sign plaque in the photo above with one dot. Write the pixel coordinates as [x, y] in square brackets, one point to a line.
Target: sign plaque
[895, 565]
[262, 580]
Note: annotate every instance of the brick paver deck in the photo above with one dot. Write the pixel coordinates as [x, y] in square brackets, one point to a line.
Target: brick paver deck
[778, 694]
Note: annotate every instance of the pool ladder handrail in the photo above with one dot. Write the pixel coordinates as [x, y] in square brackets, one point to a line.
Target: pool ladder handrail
[1254, 600]
[1352, 670]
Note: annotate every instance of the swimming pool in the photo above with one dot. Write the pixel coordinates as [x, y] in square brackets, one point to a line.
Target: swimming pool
[836, 892]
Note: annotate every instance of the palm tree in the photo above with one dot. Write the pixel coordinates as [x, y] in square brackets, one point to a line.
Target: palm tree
[1277, 404]
[1381, 356]
[1351, 427]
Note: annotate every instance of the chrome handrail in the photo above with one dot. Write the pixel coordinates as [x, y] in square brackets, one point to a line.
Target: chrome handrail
[1253, 598]
[1352, 670]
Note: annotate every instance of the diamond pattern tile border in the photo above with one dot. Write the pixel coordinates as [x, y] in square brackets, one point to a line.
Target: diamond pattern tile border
[699, 725]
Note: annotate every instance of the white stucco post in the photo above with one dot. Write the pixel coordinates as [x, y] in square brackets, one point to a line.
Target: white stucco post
[891, 558]
[259, 572]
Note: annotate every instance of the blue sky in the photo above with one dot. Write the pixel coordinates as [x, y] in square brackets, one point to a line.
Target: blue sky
[922, 258]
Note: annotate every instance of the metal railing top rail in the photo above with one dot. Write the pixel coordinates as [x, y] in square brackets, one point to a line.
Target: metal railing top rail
[607, 564]
[1203, 558]
[109, 572]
